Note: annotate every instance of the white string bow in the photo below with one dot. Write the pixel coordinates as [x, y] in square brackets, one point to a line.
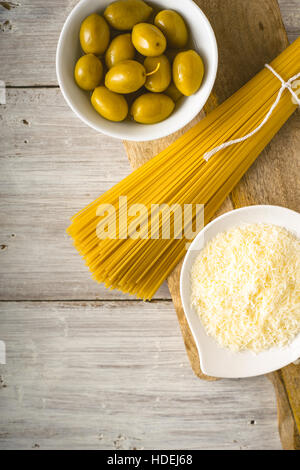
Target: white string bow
[284, 85]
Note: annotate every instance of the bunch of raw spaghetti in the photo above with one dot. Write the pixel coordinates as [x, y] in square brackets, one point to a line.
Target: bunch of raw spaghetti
[133, 256]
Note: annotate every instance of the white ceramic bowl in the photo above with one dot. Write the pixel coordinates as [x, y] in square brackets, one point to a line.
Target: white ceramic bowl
[68, 52]
[215, 360]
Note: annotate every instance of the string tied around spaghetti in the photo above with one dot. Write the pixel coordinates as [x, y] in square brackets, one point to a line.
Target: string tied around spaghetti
[285, 85]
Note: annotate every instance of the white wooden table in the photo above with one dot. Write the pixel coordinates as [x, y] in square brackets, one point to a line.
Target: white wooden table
[86, 367]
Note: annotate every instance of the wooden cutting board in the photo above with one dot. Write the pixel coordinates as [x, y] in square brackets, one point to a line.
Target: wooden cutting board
[249, 34]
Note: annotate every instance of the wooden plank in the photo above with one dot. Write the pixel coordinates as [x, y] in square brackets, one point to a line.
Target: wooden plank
[243, 52]
[29, 33]
[51, 167]
[98, 375]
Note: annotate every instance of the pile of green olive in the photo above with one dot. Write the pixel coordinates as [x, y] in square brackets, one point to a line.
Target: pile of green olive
[146, 67]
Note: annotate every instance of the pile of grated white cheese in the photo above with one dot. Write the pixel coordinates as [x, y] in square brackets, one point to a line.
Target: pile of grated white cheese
[246, 287]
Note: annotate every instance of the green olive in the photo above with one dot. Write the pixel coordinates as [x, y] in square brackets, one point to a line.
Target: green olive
[173, 27]
[188, 71]
[121, 48]
[88, 72]
[126, 77]
[159, 73]
[94, 35]
[124, 14]
[148, 40]
[110, 105]
[152, 108]
[173, 92]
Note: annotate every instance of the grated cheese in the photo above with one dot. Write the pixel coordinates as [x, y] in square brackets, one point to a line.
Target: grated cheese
[246, 287]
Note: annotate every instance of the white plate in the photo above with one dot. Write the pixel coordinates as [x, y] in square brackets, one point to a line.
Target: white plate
[68, 52]
[215, 360]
